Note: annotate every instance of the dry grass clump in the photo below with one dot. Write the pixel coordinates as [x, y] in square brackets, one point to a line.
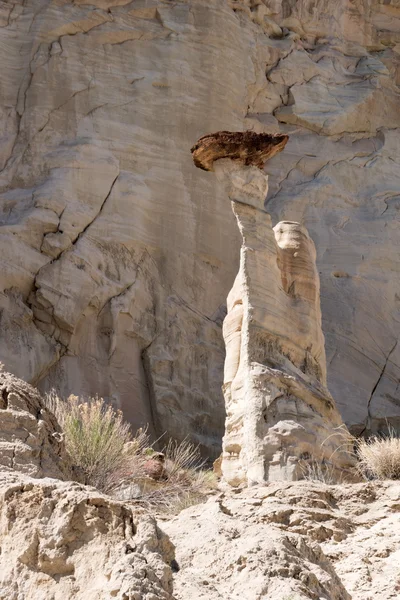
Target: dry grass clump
[101, 445]
[379, 457]
[323, 471]
[185, 481]
[178, 477]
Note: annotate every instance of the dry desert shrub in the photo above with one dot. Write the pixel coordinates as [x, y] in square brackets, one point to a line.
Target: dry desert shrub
[324, 470]
[320, 470]
[111, 459]
[166, 481]
[95, 436]
[379, 456]
[186, 480]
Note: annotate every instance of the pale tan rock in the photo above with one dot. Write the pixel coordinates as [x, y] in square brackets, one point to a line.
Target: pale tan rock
[351, 108]
[67, 541]
[63, 540]
[260, 16]
[374, 27]
[60, 539]
[31, 441]
[298, 67]
[290, 540]
[124, 267]
[280, 414]
[361, 376]
[126, 88]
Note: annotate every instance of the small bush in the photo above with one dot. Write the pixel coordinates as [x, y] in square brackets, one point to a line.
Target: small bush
[95, 436]
[100, 444]
[379, 457]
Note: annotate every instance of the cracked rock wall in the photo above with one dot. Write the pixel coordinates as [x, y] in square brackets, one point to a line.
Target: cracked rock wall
[117, 255]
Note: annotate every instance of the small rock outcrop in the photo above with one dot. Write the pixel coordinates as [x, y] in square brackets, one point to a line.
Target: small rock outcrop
[281, 418]
[61, 539]
[65, 540]
[31, 441]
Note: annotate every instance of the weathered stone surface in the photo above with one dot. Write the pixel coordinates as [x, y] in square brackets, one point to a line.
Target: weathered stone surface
[31, 441]
[349, 208]
[117, 255]
[60, 539]
[296, 541]
[66, 541]
[280, 414]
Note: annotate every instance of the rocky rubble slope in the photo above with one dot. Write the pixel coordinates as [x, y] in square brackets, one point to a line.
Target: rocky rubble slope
[117, 255]
[291, 541]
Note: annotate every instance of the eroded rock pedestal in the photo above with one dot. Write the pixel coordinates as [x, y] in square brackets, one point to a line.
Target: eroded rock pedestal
[281, 419]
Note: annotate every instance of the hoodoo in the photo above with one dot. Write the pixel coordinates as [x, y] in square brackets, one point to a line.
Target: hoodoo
[281, 418]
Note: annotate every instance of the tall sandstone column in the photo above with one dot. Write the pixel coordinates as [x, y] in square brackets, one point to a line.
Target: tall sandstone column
[281, 419]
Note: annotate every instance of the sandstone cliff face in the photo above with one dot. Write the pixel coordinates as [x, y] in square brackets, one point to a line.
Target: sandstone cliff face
[117, 254]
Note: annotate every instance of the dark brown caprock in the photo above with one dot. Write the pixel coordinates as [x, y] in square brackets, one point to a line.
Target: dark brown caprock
[245, 146]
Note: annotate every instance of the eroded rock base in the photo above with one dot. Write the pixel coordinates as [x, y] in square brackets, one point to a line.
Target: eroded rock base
[296, 541]
[65, 541]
